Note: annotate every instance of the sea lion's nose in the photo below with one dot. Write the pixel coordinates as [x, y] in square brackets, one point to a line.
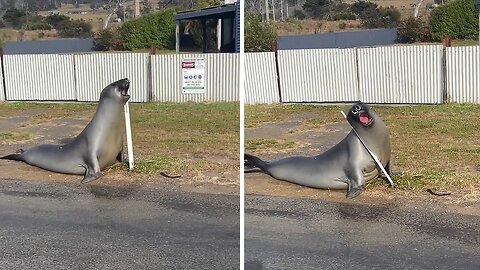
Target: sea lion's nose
[126, 83]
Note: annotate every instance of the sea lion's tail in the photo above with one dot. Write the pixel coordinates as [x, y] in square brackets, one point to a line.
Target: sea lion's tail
[252, 161]
[17, 156]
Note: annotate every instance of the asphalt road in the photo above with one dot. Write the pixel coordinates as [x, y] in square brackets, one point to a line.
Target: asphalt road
[290, 233]
[55, 226]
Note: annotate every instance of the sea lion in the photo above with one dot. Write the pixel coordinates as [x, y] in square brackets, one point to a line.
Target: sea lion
[346, 165]
[98, 146]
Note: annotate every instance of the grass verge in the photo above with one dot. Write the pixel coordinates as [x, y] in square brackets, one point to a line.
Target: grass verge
[433, 146]
[166, 136]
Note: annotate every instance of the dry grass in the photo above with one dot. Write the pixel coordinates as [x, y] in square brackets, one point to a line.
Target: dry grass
[435, 146]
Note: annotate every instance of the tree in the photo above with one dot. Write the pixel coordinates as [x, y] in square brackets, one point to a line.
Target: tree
[317, 8]
[458, 19]
[112, 6]
[146, 7]
[75, 29]
[259, 36]
[55, 20]
[108, 39]
[15, 17]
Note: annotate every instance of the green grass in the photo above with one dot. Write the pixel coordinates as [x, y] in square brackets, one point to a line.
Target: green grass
[10, 136]
[256, 144]
[464, 42]
[166, 136]
[435, 146]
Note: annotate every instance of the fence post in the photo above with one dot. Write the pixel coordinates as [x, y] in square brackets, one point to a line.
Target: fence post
[357, 74]
[447, 42]
[275, 50]
[3, 75]
[153, 51]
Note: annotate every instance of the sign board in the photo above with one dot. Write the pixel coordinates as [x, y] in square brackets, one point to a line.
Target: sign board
[193, 76]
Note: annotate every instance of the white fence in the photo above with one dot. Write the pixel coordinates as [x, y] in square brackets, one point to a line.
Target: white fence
[221, 72]
[395, 74]
[82, 77]
[39, 77]
[463, 74]
[318, 75]
[400, 74]
[95, 71]
[261, 85]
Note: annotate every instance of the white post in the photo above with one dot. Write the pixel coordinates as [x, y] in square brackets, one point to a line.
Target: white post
[129, 137]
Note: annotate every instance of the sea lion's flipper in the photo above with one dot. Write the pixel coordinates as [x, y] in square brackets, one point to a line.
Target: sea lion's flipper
[388, 168]
[355, 185]
[120, 156]
[17, 156]
[92, 171]
[252, 161]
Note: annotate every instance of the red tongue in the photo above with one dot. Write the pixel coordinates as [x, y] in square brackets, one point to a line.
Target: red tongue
[364, 119]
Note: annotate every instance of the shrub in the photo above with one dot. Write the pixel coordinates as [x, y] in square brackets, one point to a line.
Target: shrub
[380, 17]
[37, 26]
[155, 29]
[15, 17]
[342, 25]
[108, 39]
[74, 29]
[342, 15]
[259, 35]
[56, 20]
[297, 13]
[409, 30]
[458, 19]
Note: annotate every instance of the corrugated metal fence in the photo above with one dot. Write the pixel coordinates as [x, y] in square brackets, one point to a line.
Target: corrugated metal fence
[261, 84]
[318, 75]
[82, 77]
[39, 77]
[396, 74]
[222, 77]
[463, 74]
[400, 74]
[95, 71]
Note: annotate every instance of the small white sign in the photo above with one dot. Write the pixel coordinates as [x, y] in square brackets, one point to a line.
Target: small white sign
[193, 76]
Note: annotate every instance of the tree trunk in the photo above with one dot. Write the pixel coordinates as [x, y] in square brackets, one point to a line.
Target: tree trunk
[107, 20]
[417, 8]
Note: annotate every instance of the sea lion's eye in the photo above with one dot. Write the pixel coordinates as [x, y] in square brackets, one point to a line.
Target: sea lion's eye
[356, 109]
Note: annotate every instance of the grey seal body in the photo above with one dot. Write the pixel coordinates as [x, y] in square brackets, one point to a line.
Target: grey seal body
[98, 146]
[347, 165]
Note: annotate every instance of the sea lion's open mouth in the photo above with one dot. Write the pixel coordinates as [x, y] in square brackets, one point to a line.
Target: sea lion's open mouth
[124, 92]
[365, 119]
